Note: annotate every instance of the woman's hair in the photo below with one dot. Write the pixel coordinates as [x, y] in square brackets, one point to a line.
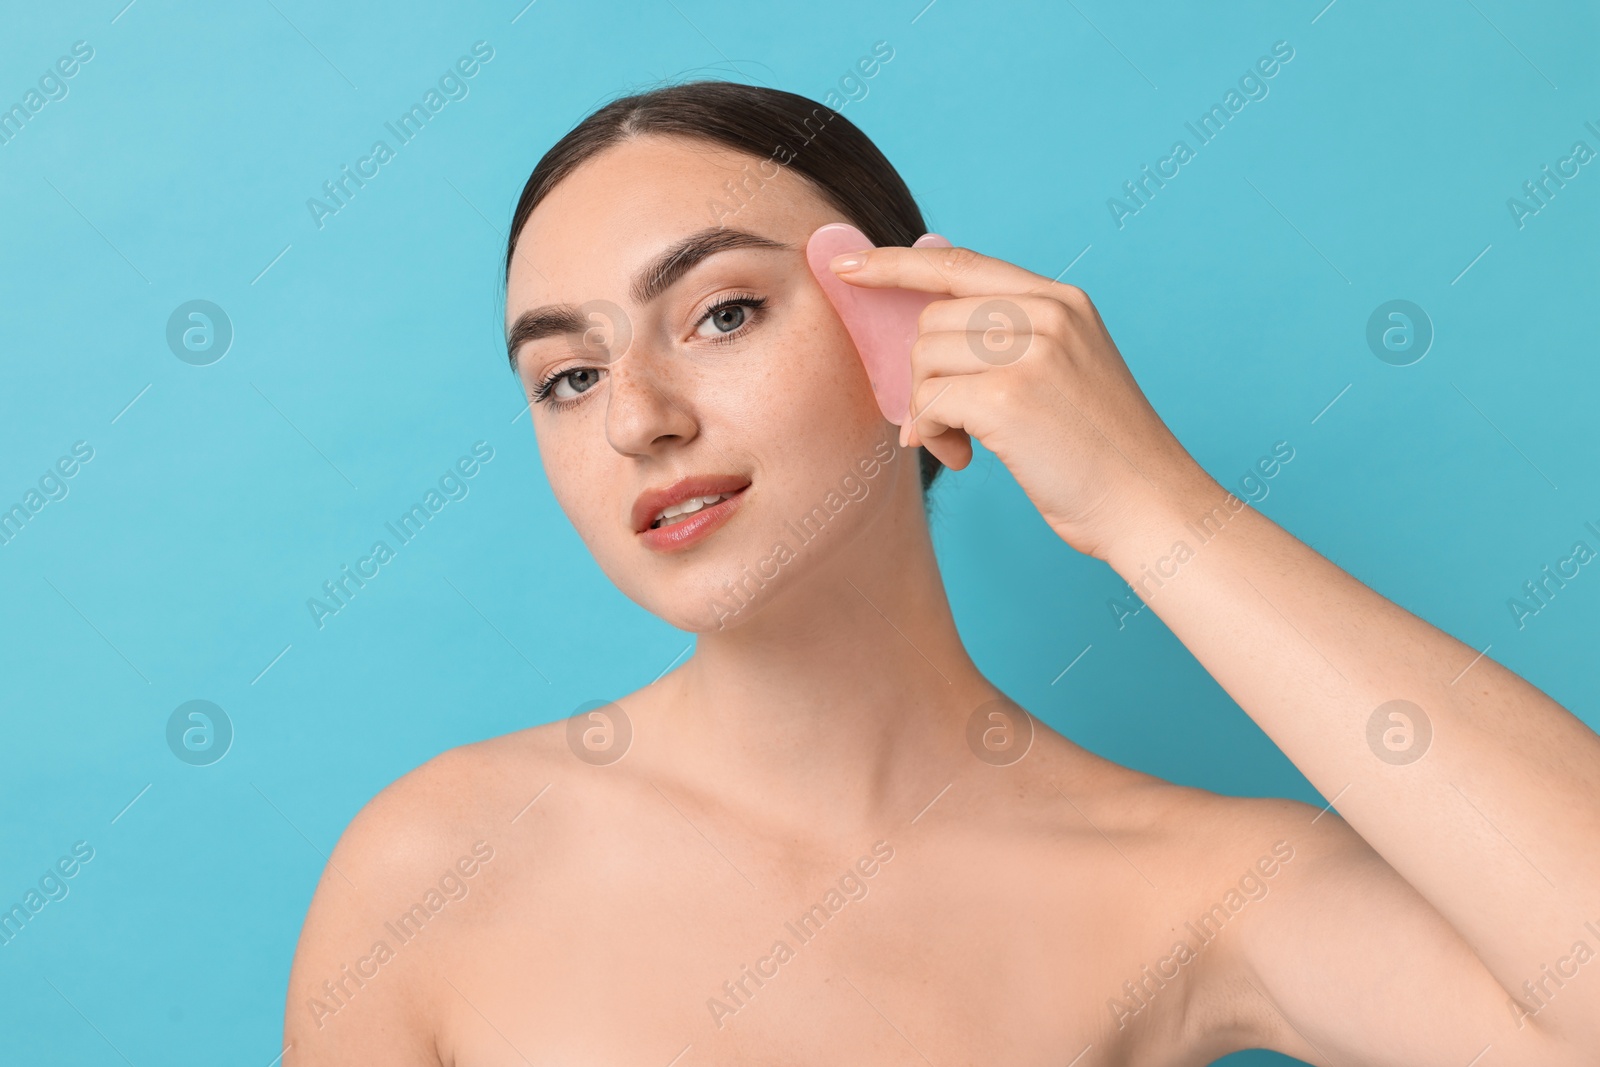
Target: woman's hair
[785, 128]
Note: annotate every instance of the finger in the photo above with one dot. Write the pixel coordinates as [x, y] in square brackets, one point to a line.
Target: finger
[957, 271]
[1015, 312]
[993, 331]
[952, 353]
[935, 421]
[953, 448]
[943, 352]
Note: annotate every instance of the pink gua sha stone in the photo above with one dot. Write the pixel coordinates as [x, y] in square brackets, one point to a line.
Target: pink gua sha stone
[881, 322]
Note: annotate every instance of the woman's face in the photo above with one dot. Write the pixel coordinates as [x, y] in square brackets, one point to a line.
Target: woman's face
[697, 355]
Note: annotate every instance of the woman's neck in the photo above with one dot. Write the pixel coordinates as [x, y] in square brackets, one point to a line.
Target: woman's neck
[842, 694]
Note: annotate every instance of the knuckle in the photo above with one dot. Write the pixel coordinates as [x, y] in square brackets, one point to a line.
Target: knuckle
[959, 260]
[1051, 317]
[919, 349]
[922, 398]
[1074, 298]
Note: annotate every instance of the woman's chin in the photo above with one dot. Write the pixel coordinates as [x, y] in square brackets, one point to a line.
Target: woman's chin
[711, 608]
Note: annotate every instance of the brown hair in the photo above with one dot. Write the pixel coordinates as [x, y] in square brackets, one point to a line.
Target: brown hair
[817, 142]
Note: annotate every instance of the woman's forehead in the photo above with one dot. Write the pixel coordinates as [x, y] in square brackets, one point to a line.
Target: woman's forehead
[636, 198]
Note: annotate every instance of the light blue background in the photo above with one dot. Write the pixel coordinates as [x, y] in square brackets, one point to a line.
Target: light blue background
[367, 359]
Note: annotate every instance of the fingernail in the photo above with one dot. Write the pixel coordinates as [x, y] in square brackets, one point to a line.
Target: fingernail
[847, 262]
[903, 436]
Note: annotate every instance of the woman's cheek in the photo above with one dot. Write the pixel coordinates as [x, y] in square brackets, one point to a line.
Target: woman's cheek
[574, 483]
[817, 372]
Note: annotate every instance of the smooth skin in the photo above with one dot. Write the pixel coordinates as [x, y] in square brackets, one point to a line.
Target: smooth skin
[814, 752]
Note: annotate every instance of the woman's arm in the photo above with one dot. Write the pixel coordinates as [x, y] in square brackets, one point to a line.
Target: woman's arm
[1481, 791]
[1496, 825]
[1495, 819]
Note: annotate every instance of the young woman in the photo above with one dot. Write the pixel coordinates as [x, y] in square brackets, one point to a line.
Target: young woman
[826, 837]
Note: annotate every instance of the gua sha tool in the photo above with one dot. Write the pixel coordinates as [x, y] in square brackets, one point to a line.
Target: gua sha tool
[882, 322]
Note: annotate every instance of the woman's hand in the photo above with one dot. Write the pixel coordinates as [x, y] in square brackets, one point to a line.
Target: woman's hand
[1025, 365]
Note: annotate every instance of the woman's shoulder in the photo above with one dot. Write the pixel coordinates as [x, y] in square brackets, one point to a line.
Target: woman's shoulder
[459, 792]
[416, 851]
[1180, 820]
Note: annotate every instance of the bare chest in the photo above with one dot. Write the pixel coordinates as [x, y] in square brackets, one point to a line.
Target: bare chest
[916, 953]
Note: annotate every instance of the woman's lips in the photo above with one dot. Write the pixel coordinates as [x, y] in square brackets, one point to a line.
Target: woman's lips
[696, 527]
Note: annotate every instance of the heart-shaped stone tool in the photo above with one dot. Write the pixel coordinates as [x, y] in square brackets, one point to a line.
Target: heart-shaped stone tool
[882, 322]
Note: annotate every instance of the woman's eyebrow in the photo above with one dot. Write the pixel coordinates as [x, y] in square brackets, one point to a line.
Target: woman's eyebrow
[655, 278]
[659, 274]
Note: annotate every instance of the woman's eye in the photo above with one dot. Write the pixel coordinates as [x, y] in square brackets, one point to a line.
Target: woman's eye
[727, 318]
[722, 321]
[569, 385]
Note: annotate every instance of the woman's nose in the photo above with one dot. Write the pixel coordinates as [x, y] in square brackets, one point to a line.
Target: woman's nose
[643, 411]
